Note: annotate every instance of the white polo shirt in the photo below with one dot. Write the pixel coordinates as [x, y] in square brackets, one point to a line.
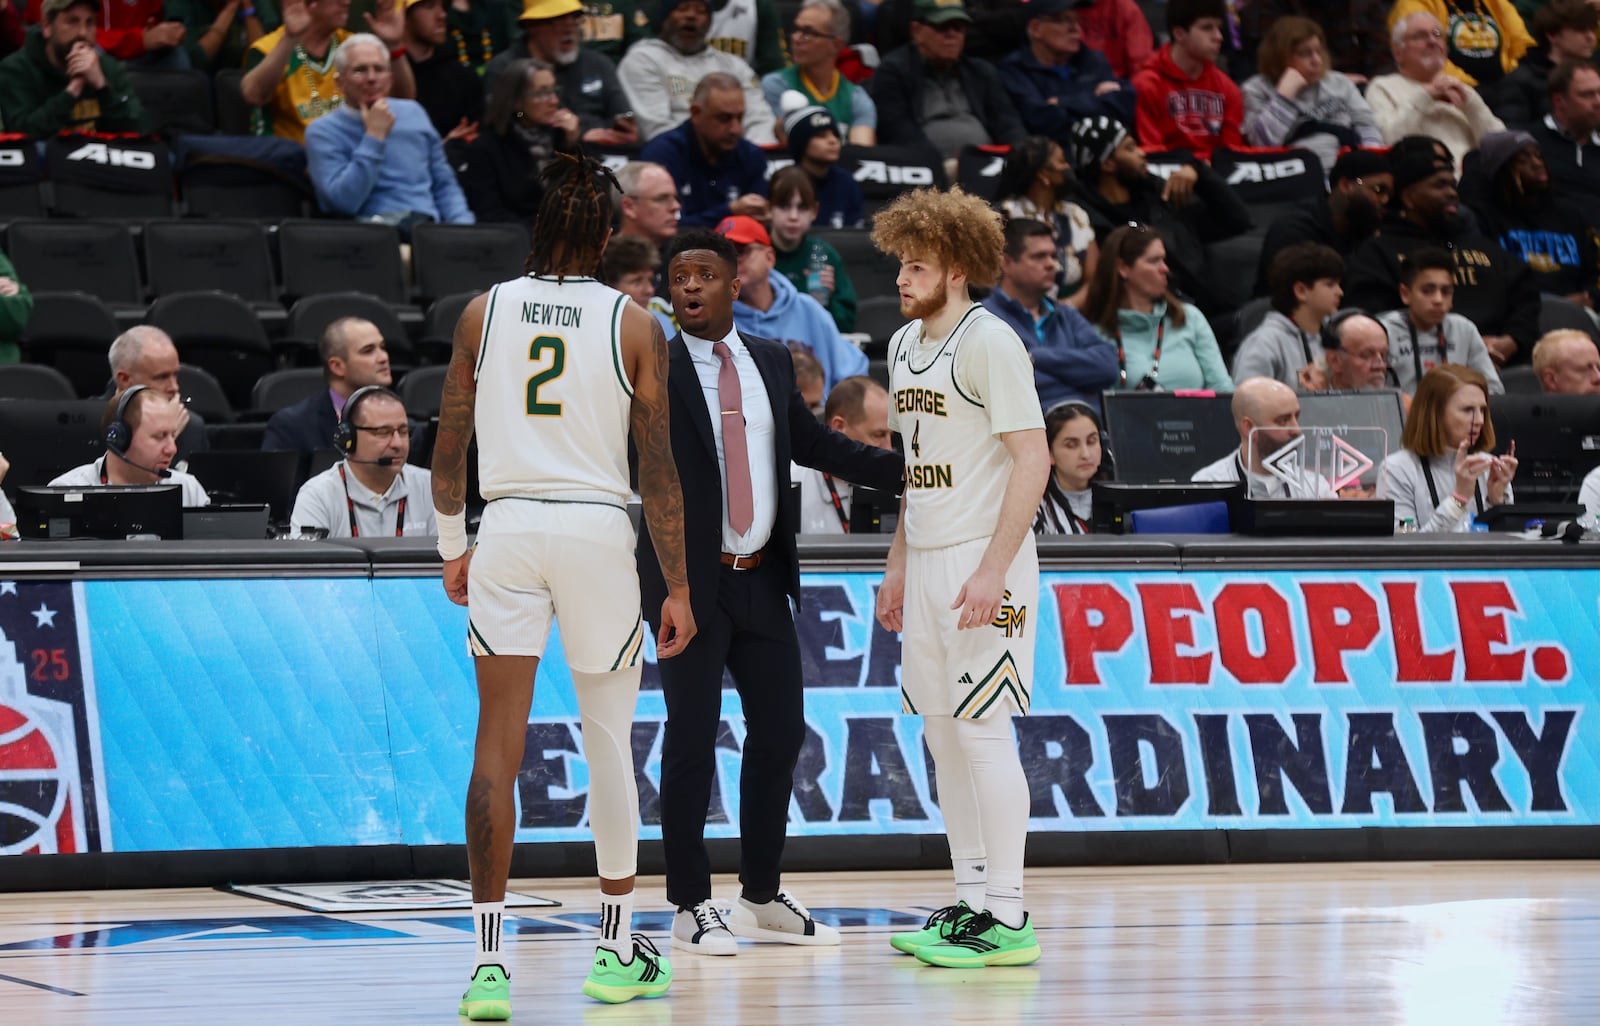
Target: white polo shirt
[333, 497]
[92, 475]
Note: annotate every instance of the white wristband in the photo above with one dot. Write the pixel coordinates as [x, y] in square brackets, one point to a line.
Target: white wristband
[452, 534]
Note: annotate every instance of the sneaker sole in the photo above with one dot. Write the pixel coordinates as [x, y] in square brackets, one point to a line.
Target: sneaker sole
[905, 944]
[617, 995]
[729, 947]
[485, 1011]
[756, 933]
[1016, 956]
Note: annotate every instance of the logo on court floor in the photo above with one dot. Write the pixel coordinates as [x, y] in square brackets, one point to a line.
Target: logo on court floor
[52, 799]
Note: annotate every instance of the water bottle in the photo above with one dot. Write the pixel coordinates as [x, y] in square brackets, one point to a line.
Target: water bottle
[820, 292]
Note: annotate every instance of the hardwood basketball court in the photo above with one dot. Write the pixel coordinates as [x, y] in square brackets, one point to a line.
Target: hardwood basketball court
[1401, 943]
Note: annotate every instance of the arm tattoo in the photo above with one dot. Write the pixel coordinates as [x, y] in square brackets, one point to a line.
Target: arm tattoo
[456, 407]
[658, 474]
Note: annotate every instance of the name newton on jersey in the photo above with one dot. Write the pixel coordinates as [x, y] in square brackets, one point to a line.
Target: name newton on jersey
[554, 314]
[919, 400]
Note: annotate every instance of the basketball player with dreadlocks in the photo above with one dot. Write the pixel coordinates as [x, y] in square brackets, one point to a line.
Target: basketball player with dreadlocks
[963, 575]
[552, 370]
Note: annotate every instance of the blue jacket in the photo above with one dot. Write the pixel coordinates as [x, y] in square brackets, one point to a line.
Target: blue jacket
[838, 200]
[1032, 85]
[1071, 361]
[705, 190]
[796, 317]
[358, 176]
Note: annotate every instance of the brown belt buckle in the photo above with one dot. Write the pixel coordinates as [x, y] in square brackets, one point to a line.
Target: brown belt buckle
[737, 562]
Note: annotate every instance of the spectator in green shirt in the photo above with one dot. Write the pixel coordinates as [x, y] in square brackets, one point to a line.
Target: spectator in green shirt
[220, 31]
[811, 264]
[16, 306]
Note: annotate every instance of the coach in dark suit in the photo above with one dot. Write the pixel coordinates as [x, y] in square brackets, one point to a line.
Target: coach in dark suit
[353, 356]
[740, 522]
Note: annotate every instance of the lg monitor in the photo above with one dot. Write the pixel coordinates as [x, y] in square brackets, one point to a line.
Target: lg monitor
[112, 513]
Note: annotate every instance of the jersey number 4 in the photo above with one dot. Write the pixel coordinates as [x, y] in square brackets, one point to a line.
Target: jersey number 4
[556, 347]
[916, 441]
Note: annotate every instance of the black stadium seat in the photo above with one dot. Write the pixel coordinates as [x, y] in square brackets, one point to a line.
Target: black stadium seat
[217, 331]
[232, 113]
[112, 179]
[872, 273]
[452, 258]
[341, 256]
[879, 316]
[1558, 312]
[421, 389]
[214, 186]
[309, 316]
[174, 101]
[203, 394]
[96, 257]
[191, 256]
[34, 381]
[72, 332]
[274, 391]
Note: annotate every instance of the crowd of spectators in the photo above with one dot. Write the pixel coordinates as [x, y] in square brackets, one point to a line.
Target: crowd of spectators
[1460, 151]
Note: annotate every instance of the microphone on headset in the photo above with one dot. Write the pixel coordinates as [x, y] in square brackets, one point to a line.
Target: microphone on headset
[160, 474]
[382, 461]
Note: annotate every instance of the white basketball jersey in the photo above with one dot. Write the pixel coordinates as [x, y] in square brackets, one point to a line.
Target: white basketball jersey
[734, 29]
[956, 467]
[553, 398]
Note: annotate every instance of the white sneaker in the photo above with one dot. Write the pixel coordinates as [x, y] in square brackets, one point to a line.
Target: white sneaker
[783, 920]
[702, 930]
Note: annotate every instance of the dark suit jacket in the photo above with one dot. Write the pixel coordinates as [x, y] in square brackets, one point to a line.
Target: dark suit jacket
[797, 436]
[306, 426]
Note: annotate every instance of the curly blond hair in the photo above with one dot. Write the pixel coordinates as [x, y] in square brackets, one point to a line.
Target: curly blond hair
[956, 229]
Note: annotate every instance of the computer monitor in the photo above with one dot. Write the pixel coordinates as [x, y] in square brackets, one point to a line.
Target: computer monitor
[873, 511]
[1558, 442]
[44, 438]
[1112, 501]
[1365, 408]
[1161, 437]
[249, 477]
[114, 513]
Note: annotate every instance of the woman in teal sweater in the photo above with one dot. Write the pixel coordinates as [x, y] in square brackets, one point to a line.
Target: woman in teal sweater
[1163, 344]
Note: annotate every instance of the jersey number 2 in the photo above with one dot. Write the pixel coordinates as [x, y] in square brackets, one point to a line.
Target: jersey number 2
[557, 349]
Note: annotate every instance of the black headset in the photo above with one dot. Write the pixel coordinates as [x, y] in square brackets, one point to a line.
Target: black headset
[119, 433]
[344, 434]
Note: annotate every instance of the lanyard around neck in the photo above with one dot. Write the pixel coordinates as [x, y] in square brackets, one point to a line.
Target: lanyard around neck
[350, 507]
[1155, 359]
[838, 506]
[1416, 351]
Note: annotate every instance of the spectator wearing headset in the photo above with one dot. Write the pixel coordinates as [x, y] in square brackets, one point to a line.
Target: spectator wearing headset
[141, 427]
[372, 492]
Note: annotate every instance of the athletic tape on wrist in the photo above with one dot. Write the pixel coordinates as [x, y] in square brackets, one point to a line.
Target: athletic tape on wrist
[452, 534]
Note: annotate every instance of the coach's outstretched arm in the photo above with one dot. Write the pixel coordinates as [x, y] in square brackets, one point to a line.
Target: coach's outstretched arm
[644, 347]
[456, 408]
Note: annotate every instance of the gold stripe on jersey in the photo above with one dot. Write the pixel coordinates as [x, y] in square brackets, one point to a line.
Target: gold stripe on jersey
[475, 643]
[630, 648]
[905, 703]
[1001, 679]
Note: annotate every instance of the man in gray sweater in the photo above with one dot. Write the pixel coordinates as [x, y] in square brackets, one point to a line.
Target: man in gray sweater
[1287, 346]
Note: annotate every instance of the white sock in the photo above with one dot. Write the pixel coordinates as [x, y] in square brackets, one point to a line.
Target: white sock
[971, 877]
[616, 925]
[1005, 904]
[486, 916]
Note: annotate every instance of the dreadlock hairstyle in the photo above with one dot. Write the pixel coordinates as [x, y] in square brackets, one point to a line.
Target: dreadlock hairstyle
[569, 233]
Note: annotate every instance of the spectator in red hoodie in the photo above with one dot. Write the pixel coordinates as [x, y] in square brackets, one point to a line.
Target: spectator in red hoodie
[136, 32]
[1186, 102]
[1118, 29]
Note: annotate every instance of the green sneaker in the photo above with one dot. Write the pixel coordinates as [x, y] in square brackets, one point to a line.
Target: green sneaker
[981, 940]
[647, 975]
[489, 997]
[938, 928]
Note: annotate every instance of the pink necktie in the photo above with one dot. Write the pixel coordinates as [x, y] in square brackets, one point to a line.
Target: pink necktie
[741, 504]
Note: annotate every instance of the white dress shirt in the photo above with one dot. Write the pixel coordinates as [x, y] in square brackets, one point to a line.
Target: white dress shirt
[817, 512]
[1306, 485]
[759, 438]
[322, 502]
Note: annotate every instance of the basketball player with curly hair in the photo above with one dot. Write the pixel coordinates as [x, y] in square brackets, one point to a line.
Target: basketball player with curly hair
[962, 581]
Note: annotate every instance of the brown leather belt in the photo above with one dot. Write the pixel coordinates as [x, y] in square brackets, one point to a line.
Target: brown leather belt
[749, 562]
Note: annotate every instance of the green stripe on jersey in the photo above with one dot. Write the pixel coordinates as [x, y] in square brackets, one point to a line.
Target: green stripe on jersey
[616, 345]
[483, 340]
